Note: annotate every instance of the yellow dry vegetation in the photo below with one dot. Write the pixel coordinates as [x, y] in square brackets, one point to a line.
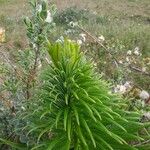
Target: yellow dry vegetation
[2, 35]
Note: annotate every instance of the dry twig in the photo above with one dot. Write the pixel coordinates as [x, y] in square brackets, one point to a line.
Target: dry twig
[110, 53]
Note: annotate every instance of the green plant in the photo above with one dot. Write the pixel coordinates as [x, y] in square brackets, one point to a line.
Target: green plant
[20, 69]
[71, 14]
[75, 110]
[38, 27]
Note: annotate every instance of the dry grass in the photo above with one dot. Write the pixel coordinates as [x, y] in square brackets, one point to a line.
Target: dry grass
[110, 7]
[11, 18]
[13, 11]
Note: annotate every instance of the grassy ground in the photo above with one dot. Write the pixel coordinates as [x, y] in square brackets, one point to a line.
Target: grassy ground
[123, 19]
[124, 23]
[11, 15]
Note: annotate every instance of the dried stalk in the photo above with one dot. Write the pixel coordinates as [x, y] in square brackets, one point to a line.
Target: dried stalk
[109, 52]
[142, 143]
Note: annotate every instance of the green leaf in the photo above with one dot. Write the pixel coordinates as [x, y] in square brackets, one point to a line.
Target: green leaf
[58, 117]
[117, 124]
[38, 146]
[103, 141]
[65, 118]
[76, 114]
[69, 127]
[53, 143]
[89, 131]
[97, 113]
[88, 110]
[49, 128]
[66, 99]
[14, 145]
[81, 136]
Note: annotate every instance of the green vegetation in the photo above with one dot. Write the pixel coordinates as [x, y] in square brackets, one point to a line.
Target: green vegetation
[76, 108]
[54, 65]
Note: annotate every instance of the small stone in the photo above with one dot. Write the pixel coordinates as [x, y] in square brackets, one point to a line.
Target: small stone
[144, 95]
[147, 116]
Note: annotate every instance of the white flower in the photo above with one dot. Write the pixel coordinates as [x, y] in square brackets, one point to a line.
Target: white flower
[129, 52]
[120, 62]
[94, 12]
[94, 64]
[143, 69]
[73, 24]
[2, 35]
[128, 85]
[116, 90]
[79, 42]
[48, 61]
[144, 95]
[34, 45]
[127, 59]
[2, 31]
[2, 109]
[123, 88]
[68, 31]
[23, 108]
[60, 40]
[49, 18]
[120, 89]
[39, 8]
[101, 38]
[83, 36]
[39, 64]
[136, 51]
